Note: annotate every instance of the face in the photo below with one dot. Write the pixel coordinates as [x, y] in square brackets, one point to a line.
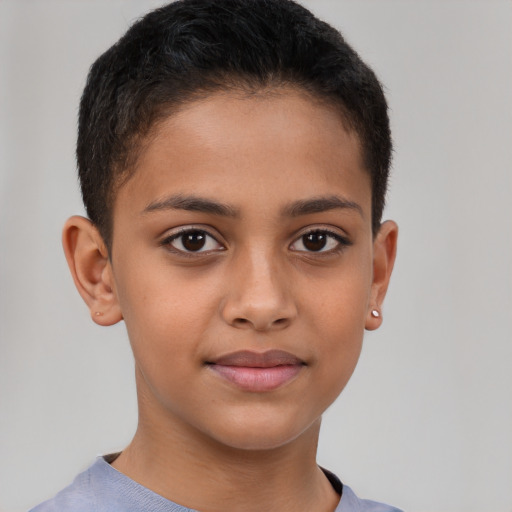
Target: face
[242, 262]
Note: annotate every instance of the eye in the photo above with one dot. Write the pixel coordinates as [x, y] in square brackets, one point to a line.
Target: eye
[193, 241]
[319, 241]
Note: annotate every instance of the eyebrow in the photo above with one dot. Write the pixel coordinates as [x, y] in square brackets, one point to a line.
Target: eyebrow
[191, 204]
[295, 209]
[319, 205]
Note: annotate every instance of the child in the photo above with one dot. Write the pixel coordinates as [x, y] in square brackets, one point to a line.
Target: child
[233, 157]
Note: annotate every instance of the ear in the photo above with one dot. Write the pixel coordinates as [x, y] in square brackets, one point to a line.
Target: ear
[87, 257]
[384, 252]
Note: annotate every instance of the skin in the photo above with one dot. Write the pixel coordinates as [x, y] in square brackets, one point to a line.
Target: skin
[253, 175]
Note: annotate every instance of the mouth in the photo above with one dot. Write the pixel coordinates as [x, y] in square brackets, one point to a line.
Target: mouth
[257, 372]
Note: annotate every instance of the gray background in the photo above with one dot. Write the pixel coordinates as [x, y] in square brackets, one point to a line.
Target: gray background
[426, 422]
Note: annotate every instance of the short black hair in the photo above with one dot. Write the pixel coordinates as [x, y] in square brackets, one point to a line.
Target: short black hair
[190, 48]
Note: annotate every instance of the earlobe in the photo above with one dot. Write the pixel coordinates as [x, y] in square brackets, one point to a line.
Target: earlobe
[384, 253]
[88, 261]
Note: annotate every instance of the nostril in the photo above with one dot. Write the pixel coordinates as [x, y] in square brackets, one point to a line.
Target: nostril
[245, 322]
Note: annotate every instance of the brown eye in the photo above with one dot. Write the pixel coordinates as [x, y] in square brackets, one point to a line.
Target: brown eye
[314, 241]
[321, 241]
[193, 241]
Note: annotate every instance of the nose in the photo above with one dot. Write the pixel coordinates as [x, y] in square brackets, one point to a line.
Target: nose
[259, 295]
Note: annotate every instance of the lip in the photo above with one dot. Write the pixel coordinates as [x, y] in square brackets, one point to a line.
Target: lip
[257, 371]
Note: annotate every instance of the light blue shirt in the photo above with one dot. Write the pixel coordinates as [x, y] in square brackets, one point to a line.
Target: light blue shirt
[101, 488]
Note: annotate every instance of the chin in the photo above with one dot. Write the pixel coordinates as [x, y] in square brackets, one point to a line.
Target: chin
[262, 434]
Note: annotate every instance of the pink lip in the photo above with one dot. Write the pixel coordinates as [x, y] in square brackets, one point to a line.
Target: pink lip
[258, 372]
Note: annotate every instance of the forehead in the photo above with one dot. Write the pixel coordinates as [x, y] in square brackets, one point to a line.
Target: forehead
[263, 142]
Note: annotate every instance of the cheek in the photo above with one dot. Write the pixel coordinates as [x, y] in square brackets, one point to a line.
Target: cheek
[340, 302]
[156, 292]
[339, 347]
[165, 310]
[341, 338]
[338, 316]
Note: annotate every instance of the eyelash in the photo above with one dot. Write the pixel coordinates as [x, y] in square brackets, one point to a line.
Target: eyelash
[341, 242]
[167, 242]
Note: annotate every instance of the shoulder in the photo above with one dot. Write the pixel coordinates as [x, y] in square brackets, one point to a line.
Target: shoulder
[101, 488]
[77, 497]
[351, 503]
[80, 496]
